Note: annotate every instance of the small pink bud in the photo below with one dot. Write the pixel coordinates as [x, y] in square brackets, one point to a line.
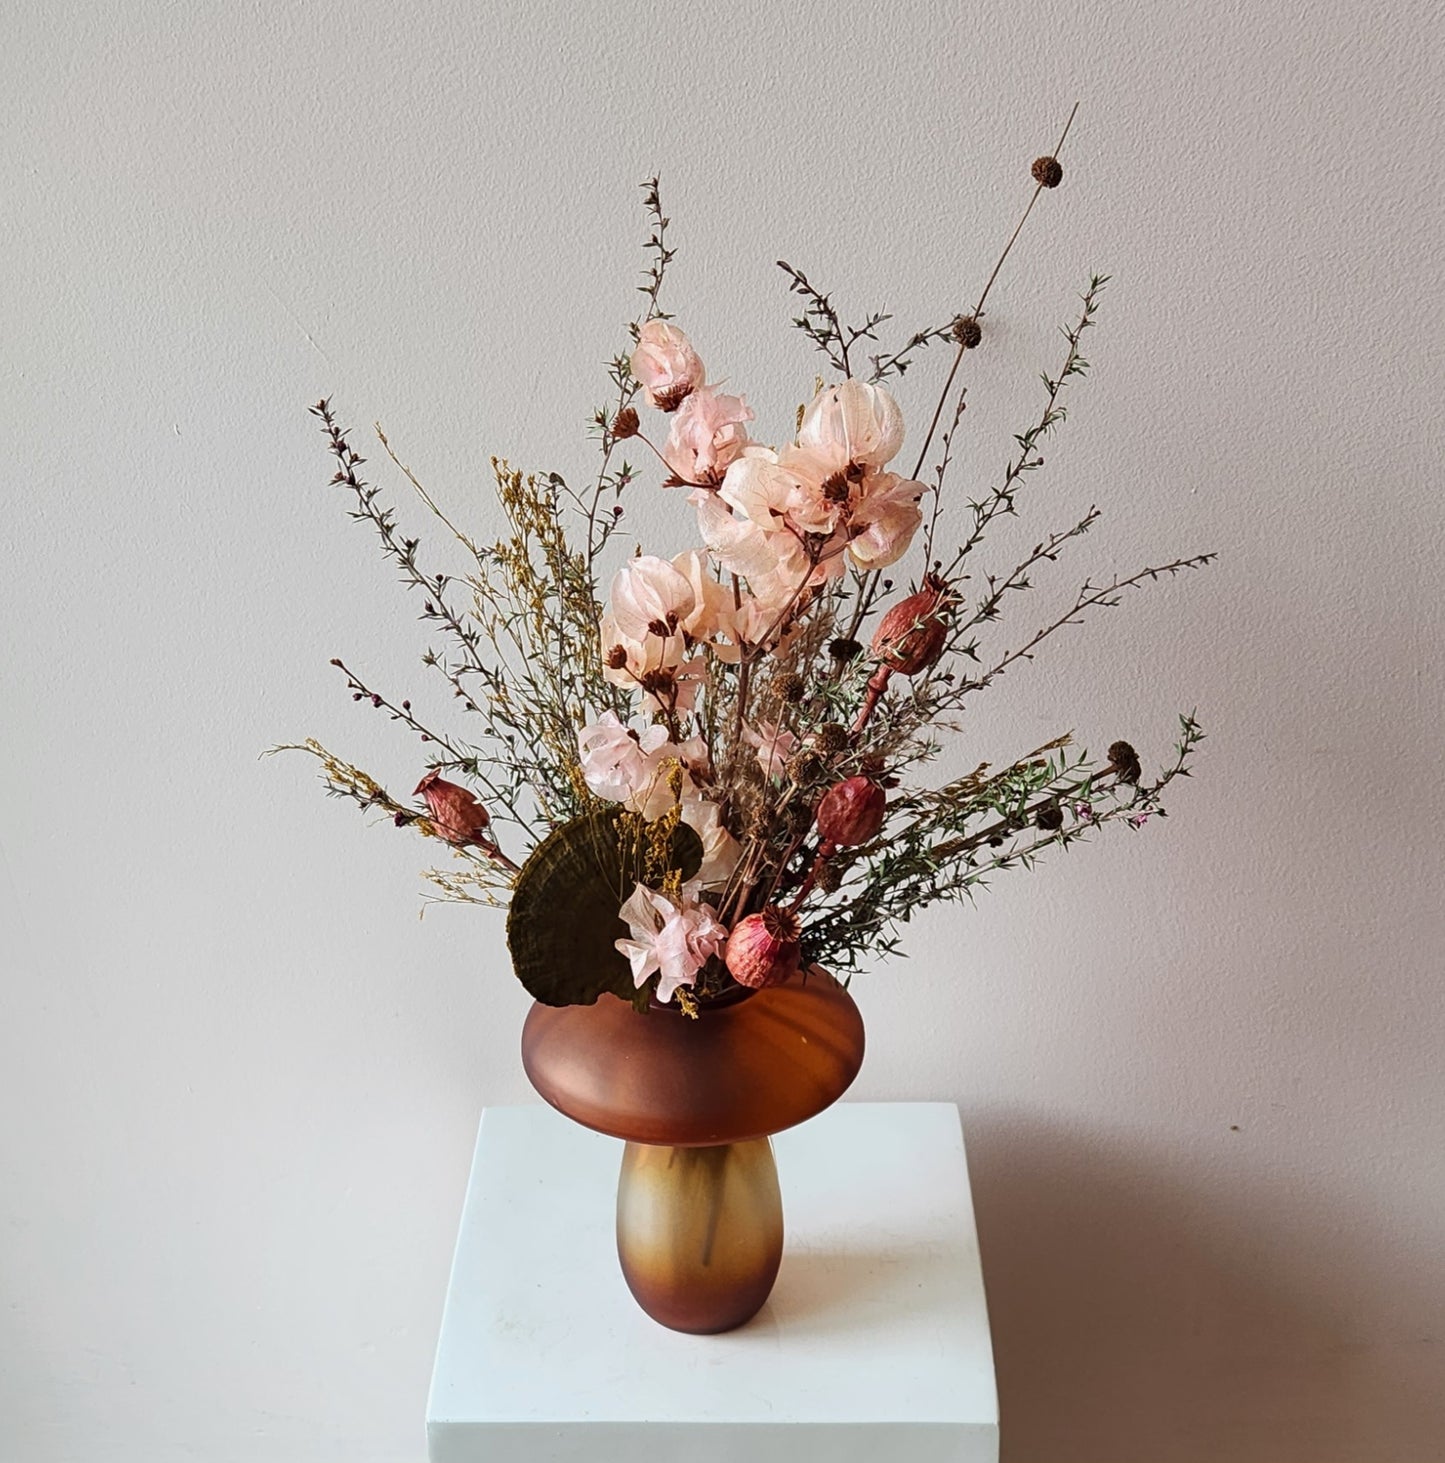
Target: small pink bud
[851, 812]
[666, 365]
[456, 814]
[764, 949]
[912, 635]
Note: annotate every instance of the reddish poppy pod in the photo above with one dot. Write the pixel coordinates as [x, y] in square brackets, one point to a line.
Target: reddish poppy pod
[764, 949]
[912, 635]
[456, 814]
[851, 812]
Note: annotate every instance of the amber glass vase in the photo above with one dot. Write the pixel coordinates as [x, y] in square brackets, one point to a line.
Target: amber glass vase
[699, 1211]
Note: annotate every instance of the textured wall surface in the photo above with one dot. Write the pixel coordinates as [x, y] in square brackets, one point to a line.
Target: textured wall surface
[1201, 1066]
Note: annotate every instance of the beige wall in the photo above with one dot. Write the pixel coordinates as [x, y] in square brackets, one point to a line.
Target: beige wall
[1200, 1067]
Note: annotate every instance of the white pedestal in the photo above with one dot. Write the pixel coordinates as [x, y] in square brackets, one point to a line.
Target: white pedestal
[874, 1347]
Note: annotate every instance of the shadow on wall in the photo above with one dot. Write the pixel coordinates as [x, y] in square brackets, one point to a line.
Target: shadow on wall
[1137, 1320]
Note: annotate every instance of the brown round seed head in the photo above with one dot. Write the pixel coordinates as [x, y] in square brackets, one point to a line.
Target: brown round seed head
[1048, 172]
[798, 818]
[828, 877]
[625, 424]
[1124, 762]
[803, 766]
[967, 332]
[831, 737]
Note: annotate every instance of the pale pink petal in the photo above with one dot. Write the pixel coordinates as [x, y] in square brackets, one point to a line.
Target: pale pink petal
[628, 764]
[852, 422]
[708, 432]
[712, 601]
[720, 850]
[775, 745]
[675, 941]
[759, 488]
[884, 520]
[650, 597]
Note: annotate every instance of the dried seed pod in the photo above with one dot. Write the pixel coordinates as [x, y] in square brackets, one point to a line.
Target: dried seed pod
[851, 812]
[455, 813]
[803, 766]
[798, 819]
[625, 424]
[1048, 172]
[792, 688]
[844, 650]
[765, 948]
[912, 635]
[1050, 819]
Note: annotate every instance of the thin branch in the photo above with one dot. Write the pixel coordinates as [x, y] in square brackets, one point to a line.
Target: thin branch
[870, 588]
[1089, 597]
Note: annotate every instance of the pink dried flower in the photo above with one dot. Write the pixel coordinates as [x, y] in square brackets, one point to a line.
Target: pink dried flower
[708, 434]
[765, 948]
[775, 745]
[762, 489]
[749, 527]
[720, 850]
[635, 766]
[672, 940]
[455, 813]
[624, 764]
[851, 812]
[713, 609]
[650, 597]
[852, 422]
[883, 520]
[666, 365]
[628, 660]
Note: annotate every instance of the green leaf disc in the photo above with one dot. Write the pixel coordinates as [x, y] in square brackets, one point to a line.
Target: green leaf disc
[563, 923]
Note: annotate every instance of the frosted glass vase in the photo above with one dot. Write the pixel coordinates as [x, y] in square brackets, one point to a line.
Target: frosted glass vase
[699, 1210]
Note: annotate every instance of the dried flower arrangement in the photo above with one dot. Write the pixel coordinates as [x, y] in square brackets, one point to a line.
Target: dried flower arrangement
[712, 779]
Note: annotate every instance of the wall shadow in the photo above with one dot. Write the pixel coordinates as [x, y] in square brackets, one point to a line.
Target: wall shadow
[1141, 1318]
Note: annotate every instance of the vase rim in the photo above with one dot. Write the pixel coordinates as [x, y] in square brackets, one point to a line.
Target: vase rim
[730, 995]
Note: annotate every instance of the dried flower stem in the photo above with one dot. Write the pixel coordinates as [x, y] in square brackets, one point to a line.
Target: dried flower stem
[870, 588]
[1001, 499]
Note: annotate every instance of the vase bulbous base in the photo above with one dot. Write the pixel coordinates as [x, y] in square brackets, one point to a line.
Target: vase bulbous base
[700, 1232]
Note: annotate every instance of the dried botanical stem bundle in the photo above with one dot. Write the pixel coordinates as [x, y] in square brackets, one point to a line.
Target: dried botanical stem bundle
[711, 773]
